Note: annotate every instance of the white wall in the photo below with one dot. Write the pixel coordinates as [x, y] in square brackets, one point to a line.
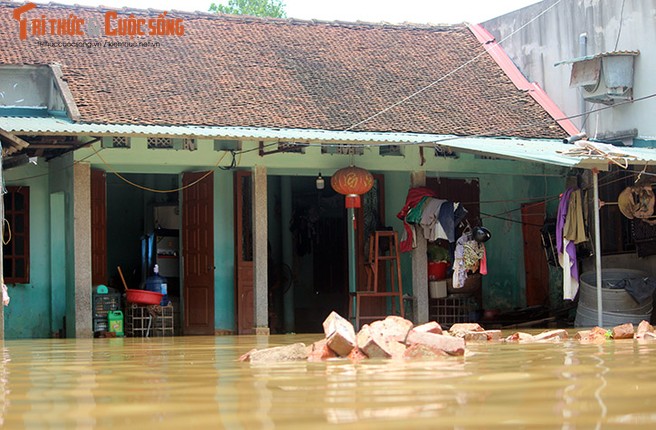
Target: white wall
[554, 37]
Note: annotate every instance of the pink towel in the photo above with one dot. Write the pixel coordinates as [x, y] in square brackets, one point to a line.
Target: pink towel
[483, 266]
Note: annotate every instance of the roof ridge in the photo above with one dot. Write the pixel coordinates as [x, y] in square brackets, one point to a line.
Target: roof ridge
[247, 18]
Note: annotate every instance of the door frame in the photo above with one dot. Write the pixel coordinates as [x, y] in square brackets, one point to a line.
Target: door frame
[243, 271]
[536, 287]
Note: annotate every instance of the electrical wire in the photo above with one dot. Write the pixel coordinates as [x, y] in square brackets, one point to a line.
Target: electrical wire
[546, 200]
[50, 171]
[5, 221]
[455, 70]
[153, 190]
[619, 31]
[491, 134]
[452, 72]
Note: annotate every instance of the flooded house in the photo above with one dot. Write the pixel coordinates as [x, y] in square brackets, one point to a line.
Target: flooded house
[208, 149]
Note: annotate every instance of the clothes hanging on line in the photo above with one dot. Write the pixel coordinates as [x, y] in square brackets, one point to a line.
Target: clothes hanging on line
[469, 256]
[438, 218]
[574, 228]
[570, 230]
[412, 199]
[430, 217]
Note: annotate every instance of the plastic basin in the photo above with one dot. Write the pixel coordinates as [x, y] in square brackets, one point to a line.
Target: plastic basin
[144, 297]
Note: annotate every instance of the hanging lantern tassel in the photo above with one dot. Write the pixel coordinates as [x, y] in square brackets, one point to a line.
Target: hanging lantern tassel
[352, 201]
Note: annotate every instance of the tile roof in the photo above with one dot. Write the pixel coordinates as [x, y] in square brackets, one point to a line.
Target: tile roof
[263, 72]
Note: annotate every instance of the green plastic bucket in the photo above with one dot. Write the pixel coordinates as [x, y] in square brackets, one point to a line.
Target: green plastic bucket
[115, 319]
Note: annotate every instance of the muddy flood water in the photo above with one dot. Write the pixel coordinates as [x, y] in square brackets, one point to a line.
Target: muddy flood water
[197, 383]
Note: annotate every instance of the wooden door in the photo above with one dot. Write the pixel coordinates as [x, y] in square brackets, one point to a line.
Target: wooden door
[198, 253]
[243, 191]
[535, 263]
[98, 227]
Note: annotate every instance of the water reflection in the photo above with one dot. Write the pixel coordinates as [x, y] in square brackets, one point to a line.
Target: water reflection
[198, 383]
[4, 382]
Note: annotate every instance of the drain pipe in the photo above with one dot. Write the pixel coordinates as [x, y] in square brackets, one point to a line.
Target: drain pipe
[583, 51]
[595, 183]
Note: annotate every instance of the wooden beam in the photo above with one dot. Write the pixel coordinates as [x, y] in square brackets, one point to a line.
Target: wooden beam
[15, 142]
[52, 146]
[73, 148]
[65, 91]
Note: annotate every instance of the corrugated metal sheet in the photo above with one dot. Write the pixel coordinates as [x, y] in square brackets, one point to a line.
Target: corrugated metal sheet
[56, 126]
[548, 152]
[603, 54]
[539, 151]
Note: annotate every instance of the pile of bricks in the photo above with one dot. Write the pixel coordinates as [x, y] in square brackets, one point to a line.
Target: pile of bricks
[397, 338]
[393, 337]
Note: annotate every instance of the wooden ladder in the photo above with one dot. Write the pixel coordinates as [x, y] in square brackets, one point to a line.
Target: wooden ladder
[386, 259]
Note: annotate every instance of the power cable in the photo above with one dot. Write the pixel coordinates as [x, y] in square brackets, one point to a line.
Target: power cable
[153, 190]
[453, 71]
[619, 31]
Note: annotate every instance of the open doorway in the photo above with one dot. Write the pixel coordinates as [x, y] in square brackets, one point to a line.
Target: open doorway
[143, 229]
[308, 267]
[315, 265]
[307, 251]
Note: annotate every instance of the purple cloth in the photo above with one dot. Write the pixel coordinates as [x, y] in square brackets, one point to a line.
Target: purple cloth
[560, 225]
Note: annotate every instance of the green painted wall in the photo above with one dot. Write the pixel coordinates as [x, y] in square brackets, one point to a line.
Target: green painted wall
[224, 252]
[58, 260]
[29, 313]
[499, 179]
[504, 184]
[397, 185]
[504, 286]
[61, 181]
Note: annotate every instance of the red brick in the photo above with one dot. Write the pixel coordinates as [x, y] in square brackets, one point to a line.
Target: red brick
[340, 334]
[430, 327]
[596, 336]
[320, 351]
[356, 355]
[493, 335]
[552, 335]
[393, 327]
[644, 327]
[449, 344]
[276, 354]
[624, 331]
[374, 345]
[520, 337]
[463, 328]
[423, 352]
[482, 336]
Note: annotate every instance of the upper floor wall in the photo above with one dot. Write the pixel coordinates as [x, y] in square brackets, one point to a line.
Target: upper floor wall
[553, 37]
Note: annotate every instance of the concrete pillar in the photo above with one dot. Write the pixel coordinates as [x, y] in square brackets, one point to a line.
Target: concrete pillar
[287, 250]
[82, 249]
[58, 260]
[260, 252]
[2, 273]
[419, 264]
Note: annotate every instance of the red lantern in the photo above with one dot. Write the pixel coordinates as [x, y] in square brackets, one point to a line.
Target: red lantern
[352, 182]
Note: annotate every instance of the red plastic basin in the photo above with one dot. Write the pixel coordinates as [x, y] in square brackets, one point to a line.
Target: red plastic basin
[144, 297]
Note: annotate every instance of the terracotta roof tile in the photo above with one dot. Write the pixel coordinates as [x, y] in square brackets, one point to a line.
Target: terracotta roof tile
[245, 71]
